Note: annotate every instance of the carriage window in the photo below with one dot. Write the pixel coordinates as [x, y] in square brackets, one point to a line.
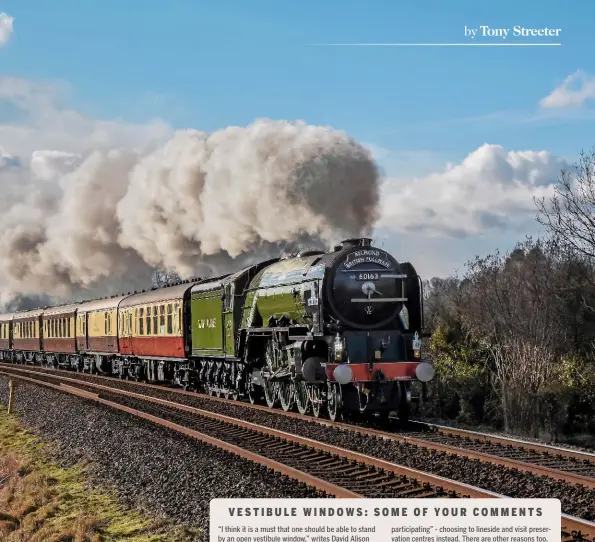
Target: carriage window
[141, 322]
[180, 322]
[155, 320]
[170, 327]
[148, 319]
[162, 319]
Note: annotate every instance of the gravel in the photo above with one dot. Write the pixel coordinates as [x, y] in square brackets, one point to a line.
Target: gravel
[162, 471]
[575, 500]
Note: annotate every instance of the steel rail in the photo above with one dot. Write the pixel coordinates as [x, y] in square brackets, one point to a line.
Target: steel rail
[444, 483]
[280, 468]
[520, 465]
[572, 528]
[509, 441]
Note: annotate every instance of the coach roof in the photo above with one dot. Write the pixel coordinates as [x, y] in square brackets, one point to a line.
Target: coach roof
[169, 293]
[61, 309]
[110, 303]
[23, 315]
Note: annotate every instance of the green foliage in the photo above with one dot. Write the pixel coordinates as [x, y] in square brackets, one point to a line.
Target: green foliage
[460, 388]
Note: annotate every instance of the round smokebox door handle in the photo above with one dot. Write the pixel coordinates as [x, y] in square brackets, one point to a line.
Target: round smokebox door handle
[369, 288]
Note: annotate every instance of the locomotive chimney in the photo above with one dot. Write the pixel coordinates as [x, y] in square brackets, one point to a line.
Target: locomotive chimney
[356, 242]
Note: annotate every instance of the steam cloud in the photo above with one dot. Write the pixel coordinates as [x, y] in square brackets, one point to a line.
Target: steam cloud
[201, 203]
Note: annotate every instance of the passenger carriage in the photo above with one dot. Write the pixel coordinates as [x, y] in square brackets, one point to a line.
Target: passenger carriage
[5, 336]
[152, 331]
[26, 336]
[97, 334]
[59, 335]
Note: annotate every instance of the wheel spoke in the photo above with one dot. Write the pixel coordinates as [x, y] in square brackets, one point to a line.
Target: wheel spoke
[271, 393]
[301, 397]
[333, 403]
[287, 395]
[317, 402]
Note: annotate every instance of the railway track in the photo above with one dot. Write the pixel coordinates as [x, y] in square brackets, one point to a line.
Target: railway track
[570, 466]
[336, 471]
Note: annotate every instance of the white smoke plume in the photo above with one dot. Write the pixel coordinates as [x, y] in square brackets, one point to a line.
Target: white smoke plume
[201, 203]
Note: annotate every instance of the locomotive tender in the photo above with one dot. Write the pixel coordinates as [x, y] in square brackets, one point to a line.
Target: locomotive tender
[335, 332]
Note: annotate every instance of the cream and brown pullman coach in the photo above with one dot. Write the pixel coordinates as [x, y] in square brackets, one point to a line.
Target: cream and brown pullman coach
[59, 338]
[5, 335]
[97, 326]
[26, 334]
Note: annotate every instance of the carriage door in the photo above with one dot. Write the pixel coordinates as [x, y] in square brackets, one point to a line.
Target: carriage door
[227, 319]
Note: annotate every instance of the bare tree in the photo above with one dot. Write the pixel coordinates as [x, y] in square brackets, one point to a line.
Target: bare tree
[522, 371]
[162, 278]
[569, 215]
[509, 303]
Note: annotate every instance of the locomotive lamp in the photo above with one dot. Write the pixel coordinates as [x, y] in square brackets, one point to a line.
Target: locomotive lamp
[343, 374]
[424, 372]
[416, 346]
[339, 348]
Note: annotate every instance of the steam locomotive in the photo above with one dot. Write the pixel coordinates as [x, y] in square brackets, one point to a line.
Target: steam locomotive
[334, 333]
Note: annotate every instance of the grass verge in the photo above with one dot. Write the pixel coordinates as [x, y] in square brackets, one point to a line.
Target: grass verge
[43, 502]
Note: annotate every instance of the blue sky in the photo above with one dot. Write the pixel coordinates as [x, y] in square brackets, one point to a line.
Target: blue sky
[212, 64]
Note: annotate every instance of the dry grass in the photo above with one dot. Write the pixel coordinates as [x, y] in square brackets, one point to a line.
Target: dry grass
[42, 502]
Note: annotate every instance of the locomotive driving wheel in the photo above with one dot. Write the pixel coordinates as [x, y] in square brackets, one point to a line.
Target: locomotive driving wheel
[317, 401]
[334, 401]
[301, 397]
[270, 393]
[286, 395]
[250, 390]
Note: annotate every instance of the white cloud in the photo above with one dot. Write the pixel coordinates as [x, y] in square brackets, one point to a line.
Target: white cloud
[492, 189]
[5, 28]
[574, 91]
[445, 213]
[44, 121]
